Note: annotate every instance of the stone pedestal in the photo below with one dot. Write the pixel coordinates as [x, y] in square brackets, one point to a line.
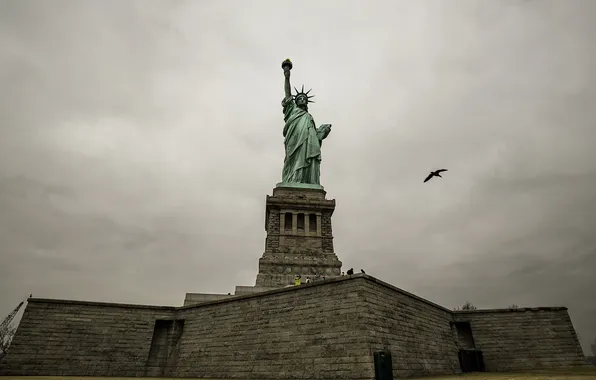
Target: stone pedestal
[299, 237]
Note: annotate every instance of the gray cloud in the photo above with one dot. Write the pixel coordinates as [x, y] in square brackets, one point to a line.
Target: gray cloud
[138, 141]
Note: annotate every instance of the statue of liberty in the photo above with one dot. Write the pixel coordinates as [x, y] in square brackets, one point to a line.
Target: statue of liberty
[302, 139]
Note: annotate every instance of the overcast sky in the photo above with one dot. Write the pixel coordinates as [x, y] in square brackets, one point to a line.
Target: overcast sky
[138, 140]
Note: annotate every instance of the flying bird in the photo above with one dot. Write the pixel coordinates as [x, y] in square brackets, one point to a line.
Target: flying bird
[436, 173]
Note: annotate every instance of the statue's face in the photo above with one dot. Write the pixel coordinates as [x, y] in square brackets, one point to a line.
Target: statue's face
[301, 100]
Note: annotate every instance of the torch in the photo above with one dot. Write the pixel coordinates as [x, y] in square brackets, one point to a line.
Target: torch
[286, 65]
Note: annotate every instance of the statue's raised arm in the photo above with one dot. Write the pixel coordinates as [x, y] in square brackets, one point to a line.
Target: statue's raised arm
[287, 66]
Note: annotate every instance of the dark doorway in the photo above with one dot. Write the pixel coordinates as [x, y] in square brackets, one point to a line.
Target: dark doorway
[164, 344]
[471, 361]
[383, 366]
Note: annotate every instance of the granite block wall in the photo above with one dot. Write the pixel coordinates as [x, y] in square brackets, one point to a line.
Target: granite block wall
[306, 332]
[327, 232]
[74, 338]
[325, 330]
[524, 339]
[417, 332]
[195, 298]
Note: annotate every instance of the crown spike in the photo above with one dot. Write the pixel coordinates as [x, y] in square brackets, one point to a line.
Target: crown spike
[302, 91]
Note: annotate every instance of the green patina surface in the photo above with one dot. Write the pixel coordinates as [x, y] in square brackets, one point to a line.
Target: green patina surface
[302, 139]
[299, 185]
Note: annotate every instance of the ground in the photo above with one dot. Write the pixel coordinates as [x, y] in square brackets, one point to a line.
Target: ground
[576, 374]
[571, 374]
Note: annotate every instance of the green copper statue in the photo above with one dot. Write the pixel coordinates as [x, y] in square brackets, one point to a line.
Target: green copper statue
[302, 138]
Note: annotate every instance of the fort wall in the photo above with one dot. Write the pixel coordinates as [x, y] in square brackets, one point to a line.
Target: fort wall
[524, 339]
[327, 329]
[196, 298]
[58, 337]
[305, 332]
[417, 332]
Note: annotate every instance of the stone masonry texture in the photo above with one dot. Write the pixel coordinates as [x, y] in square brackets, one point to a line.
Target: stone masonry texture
[195, 298]
[303, 332]
[522, 339]
[82, 338]
[415, 331]
[324, 330]
[299, 237]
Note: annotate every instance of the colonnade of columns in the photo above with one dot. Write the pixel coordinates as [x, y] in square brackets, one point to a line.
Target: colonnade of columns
[289, 222]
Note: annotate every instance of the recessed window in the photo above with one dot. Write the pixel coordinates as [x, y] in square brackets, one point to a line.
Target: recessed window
[288, 221]
[300, 222]
[464, 334]
[312, 223]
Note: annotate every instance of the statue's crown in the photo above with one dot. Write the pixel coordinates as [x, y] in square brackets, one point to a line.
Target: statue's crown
[301, 92]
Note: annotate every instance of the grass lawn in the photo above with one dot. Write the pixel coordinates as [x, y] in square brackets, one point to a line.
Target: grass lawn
[571, 374]
[575, 374]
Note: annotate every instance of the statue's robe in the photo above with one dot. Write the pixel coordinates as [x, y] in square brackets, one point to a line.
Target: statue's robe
[303, 145]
